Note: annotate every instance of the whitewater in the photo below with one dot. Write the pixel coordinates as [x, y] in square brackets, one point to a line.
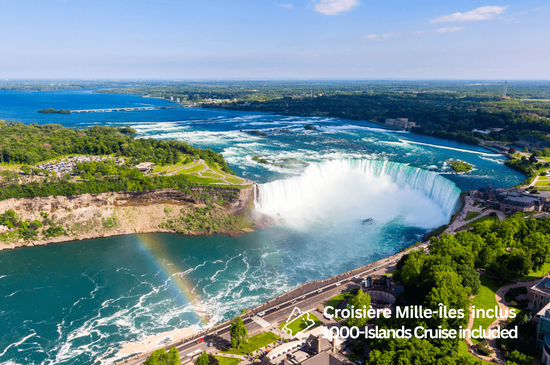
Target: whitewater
[75, 302]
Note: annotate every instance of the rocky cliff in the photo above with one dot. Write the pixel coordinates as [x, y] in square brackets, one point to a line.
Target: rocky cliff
[202, 211]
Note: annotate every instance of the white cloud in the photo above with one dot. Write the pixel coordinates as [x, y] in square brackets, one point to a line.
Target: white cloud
[449, 30]
[333, 7]
[376, 37]
[286, 6]
[540, 9]
[391, 35]
[419, 33]
[483, 13]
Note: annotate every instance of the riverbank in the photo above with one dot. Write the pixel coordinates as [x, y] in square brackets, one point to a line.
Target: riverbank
[113, 214]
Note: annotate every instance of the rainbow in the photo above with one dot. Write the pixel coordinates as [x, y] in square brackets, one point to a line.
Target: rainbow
[169, 270]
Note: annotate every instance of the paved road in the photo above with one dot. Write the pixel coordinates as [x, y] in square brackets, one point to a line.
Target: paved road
[306, 298]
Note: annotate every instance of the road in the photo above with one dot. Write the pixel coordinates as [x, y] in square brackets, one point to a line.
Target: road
[306, 298]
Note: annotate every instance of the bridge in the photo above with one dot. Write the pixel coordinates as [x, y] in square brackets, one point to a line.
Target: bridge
[125, 109]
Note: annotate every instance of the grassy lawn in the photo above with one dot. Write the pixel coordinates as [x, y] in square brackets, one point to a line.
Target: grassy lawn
[536, 274]
[210, 174]
[204, 180]
[254, 343]
[486, 299]
[224, 360]
[484, 218]
[300, 325]
[471, 215]
[10, 166]
[463, 351]
[234, 180]
[335, 300]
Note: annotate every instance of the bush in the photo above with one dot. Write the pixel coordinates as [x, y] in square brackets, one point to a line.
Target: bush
[483, 348]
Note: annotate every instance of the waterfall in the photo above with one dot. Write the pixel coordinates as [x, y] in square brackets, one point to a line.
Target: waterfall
[355, 183]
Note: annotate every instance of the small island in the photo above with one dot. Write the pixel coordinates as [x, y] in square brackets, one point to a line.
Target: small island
[460, 166]
[52, 110]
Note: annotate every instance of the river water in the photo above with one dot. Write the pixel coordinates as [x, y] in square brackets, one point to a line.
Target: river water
[72, 303]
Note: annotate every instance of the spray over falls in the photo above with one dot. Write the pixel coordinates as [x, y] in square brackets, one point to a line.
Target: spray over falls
[351, 189]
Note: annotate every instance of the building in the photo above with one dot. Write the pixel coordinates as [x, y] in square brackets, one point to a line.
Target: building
[177, 100]
[509, 200]
[539, 295]
[402, 123]
[521, 202]
[532, 143]
[309, 348]
[542, 346]
[145, 166]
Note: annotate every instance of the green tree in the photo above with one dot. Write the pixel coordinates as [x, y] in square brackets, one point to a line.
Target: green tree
[26, 169]
[239, 333]
[519, 358]
[533, 158]
[203, 359]
[161, 357]
[470, 279]
[358, 301]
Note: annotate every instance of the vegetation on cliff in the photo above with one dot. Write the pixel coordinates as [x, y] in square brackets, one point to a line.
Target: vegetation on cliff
[121, 178]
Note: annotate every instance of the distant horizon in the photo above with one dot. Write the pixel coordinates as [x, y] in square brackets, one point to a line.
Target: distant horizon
[255, 79]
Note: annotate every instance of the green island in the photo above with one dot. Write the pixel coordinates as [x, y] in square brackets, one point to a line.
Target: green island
[460, 166]
[117, 180]
[53, 111]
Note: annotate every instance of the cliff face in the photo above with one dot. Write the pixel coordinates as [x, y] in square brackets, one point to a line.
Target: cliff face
[200, 212]
[237, 205]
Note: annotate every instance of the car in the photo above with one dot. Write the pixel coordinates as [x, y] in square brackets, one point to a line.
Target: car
[200, 340]
[356, 276]
[338, 284]
[320, 290]
[260, 314]
[376, 268]
[277, 307]
[303, 297]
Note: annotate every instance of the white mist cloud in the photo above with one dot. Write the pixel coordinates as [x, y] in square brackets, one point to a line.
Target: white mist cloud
[449, 29]
[334, 7]
[482, 13]
[372, 37]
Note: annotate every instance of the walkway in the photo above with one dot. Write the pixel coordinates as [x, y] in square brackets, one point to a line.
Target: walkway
[210, 174]
[497, 356]
[460, 219]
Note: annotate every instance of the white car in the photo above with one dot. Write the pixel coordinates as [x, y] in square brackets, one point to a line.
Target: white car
[338, 284]
[261, 314]
[320, 290]
[356, 276]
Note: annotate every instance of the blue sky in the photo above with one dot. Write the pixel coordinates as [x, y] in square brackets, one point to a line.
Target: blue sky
[303, 39]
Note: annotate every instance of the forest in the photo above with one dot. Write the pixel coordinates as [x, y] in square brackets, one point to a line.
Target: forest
[444, 115]
[448, 274]
[34, 143]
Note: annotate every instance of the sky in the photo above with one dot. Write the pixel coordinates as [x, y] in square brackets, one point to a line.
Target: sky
[284, 39]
